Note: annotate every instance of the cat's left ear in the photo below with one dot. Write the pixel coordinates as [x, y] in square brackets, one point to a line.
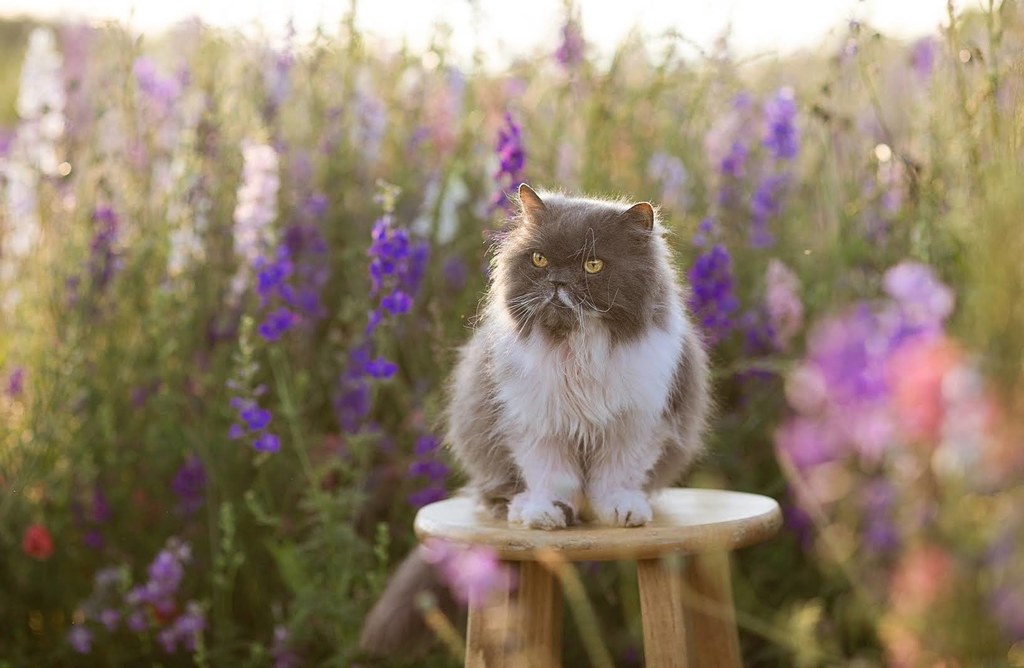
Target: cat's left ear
[641, 215]
[533, 205]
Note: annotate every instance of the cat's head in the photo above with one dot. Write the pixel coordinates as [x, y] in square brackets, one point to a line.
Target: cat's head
[569, 263]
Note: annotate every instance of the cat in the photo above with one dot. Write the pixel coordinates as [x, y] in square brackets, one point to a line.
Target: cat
[584, 386]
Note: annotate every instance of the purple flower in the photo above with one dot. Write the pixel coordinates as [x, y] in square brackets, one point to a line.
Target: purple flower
[922, 57]
[256, 418]
[381, 368]
[316, 205]
[425, 445]
[80, 639]
[707, 231]
[267, 442]
[807, 442]
[570, 51]
[255, 421]
[426, 496]
[1007, 605]
[271, 275]
[434, 470]
[165, 575]
[16, 382]
[712, 299]
[781, 136]
[758, 333]
[352, 403]
[188, 628]
[511, 160]
[137, 621]
[429, 467]
[189, 485]
[843, 388]
[764, 205]
[396, 303]
[726, 142]
[800, 523]
[101, 510]
[455, 273]
[297, 274]
[159, 90]
[93, 540]
[6, 141]
[103, 262]
[396, 268]
[276, 323]
[168, 639]
[281, 650]
[110, 618]
[735, 160]
[878, 501]
[276, 70]
[925, 301]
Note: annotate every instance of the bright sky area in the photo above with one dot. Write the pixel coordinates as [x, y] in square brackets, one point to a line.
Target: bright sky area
[758, 26]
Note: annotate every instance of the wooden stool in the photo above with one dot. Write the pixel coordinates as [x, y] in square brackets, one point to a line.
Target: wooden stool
[686, 605]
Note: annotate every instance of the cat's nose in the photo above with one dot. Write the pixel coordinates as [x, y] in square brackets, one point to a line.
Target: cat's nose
[557, 282]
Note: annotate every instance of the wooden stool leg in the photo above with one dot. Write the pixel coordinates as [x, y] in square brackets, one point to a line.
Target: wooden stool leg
[710, 615]
[487, 633]
[520, 631]
[538, 619]
[661, 605]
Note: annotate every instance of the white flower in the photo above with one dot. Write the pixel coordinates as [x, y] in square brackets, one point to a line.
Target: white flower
[256, 208]
[40, 103]
[782, 299]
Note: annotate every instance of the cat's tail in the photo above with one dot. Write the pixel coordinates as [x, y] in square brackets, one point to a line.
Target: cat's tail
[395, 626]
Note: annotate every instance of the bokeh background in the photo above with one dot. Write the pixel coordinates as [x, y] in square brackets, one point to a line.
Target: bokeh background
[238, 251]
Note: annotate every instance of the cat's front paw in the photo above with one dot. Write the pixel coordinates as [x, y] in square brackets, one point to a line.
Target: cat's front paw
[622, 508]
[537, 511]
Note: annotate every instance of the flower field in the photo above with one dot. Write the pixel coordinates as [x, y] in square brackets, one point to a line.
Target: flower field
[234, 273]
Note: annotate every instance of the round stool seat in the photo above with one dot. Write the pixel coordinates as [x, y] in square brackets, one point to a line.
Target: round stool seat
[687, 521]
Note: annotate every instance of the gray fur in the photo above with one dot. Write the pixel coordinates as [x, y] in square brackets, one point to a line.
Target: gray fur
[562, 226]
[637, 290]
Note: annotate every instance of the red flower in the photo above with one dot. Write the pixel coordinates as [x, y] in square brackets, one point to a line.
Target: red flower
[37, 543]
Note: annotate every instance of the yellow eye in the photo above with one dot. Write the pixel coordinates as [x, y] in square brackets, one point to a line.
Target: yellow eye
[539, 260]
[593, 266]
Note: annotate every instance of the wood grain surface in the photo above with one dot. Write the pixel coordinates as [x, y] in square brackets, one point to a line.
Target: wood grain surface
[686, 521]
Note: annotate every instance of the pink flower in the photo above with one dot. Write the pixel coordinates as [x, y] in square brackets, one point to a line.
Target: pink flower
[922, 576]
[472, 573]
[782, 299]
[917, 371]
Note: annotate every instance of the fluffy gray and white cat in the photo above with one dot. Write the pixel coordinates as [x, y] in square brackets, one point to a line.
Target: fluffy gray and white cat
[584, 386]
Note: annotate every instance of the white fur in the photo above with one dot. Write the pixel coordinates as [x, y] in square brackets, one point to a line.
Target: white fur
[584, 396]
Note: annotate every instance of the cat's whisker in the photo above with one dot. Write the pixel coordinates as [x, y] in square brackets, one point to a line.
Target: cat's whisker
[594, 305]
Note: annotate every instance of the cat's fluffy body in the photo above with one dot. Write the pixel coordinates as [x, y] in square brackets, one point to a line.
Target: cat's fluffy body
[576, 389]
[595, 393]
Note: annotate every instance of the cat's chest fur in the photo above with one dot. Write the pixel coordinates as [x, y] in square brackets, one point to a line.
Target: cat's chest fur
[576, 388]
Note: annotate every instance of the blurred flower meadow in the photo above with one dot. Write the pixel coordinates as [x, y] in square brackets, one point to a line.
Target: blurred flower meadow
[233, 274]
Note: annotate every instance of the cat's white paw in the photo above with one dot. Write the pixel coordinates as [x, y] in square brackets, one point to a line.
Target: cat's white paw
[537, 511]
[622, 508]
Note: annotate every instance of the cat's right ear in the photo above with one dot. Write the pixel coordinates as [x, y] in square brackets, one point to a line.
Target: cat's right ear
[533, 205]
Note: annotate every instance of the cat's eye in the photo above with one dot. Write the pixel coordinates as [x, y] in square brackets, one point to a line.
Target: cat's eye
[539, 260]
[593, 266]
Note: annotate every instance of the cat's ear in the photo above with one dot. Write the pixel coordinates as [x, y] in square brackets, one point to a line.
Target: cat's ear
[641, 215]
[533, 205]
